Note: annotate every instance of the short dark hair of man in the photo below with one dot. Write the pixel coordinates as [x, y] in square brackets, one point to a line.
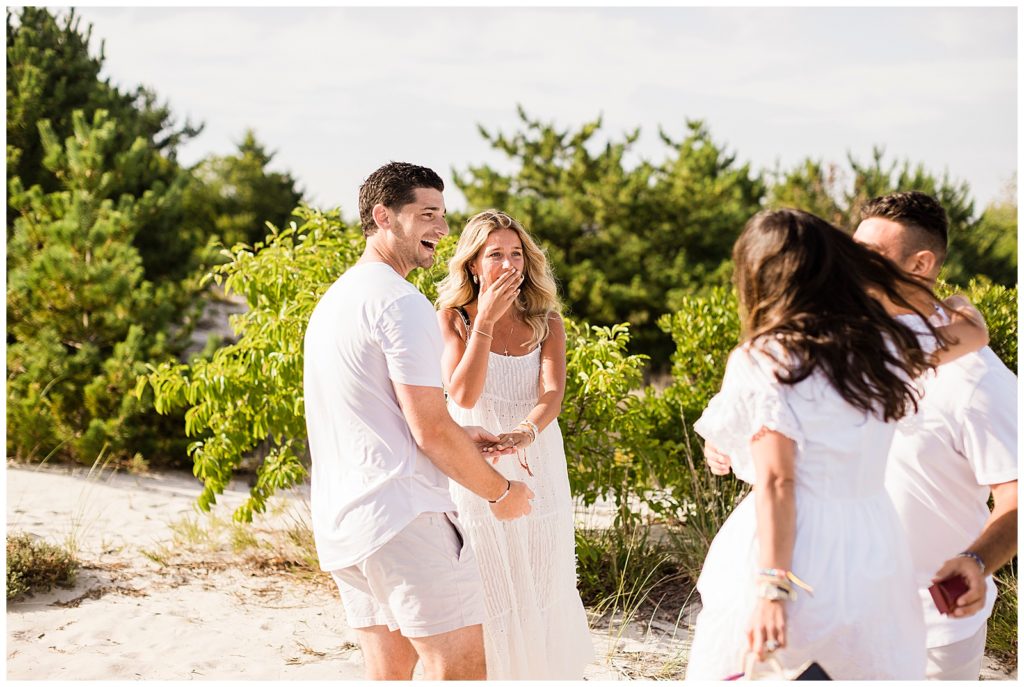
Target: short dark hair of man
[919, 212]
[393, 186]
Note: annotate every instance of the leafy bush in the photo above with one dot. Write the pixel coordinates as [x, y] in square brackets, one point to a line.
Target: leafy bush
[35, 566]
[251, 391]
[999, 306]
[601, 416]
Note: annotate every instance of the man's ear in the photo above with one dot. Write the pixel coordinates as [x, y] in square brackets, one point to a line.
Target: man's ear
[381, 216]
[923, 263]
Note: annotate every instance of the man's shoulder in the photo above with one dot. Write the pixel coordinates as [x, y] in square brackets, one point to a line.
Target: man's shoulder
[366, 292]
[375, 283]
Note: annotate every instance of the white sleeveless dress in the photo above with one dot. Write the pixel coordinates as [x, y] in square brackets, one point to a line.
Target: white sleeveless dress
[536, 628]
[864, 620]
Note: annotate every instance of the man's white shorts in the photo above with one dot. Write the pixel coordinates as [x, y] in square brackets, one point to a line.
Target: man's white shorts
[424, 581]
[959, 661]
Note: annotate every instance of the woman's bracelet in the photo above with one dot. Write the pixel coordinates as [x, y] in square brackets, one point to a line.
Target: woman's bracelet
[973, 556]
[482, 333]
[508, 489]
[531, 426]
[784, 577]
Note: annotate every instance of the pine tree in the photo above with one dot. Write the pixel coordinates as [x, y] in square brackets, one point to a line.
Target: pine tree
[82, 318]
[51, 72]
[238, 195]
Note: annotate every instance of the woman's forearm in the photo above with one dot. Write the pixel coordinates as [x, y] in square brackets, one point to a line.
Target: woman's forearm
[776, 522]
[547, 410]
[774, 458]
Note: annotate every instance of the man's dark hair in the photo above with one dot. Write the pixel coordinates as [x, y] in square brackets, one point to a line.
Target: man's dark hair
[917, 211]
[393, 186]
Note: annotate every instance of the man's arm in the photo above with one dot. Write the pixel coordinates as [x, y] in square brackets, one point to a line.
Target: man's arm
[997, 543]
[995, 546]
[450, 448]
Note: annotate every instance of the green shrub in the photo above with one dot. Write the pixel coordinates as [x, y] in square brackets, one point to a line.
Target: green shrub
[999, 306]
[35, 566]
[250, 392]
[602, 418]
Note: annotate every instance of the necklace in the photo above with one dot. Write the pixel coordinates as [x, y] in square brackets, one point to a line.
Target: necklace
[507, 337]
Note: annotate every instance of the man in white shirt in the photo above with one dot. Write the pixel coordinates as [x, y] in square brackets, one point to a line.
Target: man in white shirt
[383, 447]
[948, 459]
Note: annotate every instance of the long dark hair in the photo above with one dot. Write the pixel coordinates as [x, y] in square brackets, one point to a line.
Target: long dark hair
[807, 285]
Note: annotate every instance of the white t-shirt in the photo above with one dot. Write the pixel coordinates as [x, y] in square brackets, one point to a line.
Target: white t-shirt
[369, 478]
[942, 461]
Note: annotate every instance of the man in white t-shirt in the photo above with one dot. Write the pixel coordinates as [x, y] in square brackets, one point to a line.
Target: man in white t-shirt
[383, 447]
[947, 460]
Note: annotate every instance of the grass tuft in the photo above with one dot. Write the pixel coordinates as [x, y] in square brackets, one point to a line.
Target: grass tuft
[1002, 625]
[35, 566]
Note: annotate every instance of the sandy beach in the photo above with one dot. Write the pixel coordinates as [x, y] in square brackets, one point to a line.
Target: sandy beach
[167, 593]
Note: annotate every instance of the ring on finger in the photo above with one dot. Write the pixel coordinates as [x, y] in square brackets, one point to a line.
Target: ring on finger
[771, 645]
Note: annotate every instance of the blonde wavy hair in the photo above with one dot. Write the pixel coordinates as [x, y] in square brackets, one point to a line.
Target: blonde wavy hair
[538, 296]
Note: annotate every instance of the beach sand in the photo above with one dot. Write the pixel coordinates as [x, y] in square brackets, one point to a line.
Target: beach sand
[167, 593]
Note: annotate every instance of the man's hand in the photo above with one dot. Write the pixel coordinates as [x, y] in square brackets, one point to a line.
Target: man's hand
[718, 462]
[515, 504]
[973, 600]
[489, 445]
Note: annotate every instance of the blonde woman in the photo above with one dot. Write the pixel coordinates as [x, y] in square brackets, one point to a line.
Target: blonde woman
[504, 369]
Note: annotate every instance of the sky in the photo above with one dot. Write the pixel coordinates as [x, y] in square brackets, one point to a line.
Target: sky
[337, 92]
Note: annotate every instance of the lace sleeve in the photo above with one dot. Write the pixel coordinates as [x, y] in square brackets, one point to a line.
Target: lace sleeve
[751, 399]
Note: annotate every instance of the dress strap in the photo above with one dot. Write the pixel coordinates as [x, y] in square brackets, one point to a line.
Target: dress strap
[465, 320]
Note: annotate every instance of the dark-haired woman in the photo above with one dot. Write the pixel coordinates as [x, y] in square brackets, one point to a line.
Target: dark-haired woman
[814, 564]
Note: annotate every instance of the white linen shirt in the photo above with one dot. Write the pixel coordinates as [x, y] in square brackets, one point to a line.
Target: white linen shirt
[370, 329]
[942, 461]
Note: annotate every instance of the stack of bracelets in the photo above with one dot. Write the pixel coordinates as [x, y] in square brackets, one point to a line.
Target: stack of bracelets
[777, 585]
[531, 429]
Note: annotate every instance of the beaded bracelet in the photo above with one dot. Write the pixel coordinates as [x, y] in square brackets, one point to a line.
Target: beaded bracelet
[973, 556]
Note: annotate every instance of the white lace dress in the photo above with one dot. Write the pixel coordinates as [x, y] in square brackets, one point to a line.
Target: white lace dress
[536, 628]
[864, 620]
